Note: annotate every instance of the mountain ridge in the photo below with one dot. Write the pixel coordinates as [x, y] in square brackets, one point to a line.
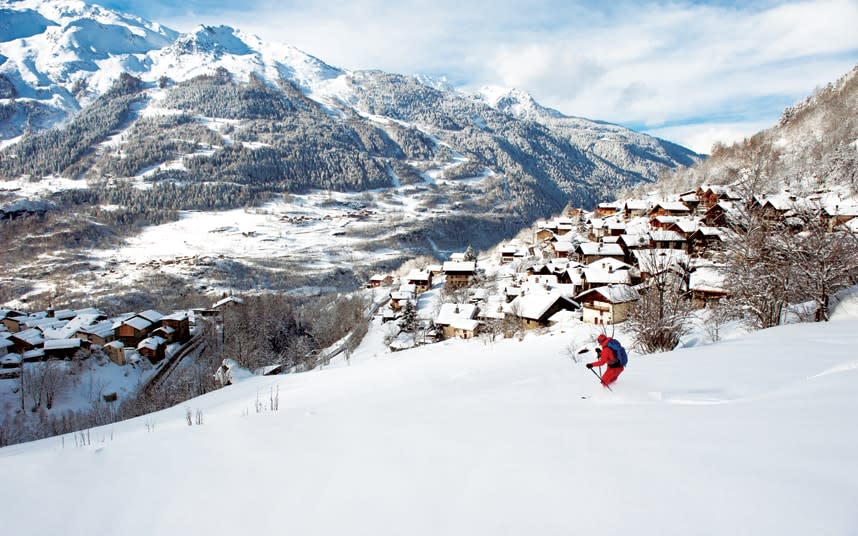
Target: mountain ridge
[217, 119]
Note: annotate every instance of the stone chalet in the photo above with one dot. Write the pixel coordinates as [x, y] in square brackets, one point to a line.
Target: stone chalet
[535, 310]
[608, 271]
[225, 303]
[652, 262]
[115, 351]
[459, 273]
[458, 320]
[420, 279]
[667, 240]
[837, 215]
[180, 325]
[707, 285]
[404, 294]
[64, 348]
[100, 333]
[379, 280]
[135, 329]
[669, 208]
[11, 319]
[588, 252]
[607, 305]
[635, 208]
[152, 348]
[608, 209]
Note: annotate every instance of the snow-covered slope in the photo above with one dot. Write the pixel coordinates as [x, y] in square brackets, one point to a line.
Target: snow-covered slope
[813, 148]
[751, 435]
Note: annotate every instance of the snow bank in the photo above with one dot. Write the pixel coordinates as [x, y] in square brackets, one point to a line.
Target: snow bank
[747, 436]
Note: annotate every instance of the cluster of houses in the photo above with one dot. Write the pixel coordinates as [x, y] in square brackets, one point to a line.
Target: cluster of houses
[594, 265]
[67, 334]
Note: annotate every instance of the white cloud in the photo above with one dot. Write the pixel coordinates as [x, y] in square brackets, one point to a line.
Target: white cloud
[701, 137]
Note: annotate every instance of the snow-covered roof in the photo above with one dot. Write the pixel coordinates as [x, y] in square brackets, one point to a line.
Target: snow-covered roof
[657, 260]
[686, 225]
[64, 314]
[460, 266]
[672, 206]
[479, 294]
[542, 280]
[666, 236]
[457, 257]
[609, 263]
[180, 315]
[600, 248]
[228, 299]
[635, 240]
[613, 293]
[138, 323]
[665, 220]
[151, 343]
[418, 275]
[89, 311]
[115, 344]
[10, 360]
[102, 329]
[62, 344]
[399, 295]
[637, 204]
[450, 312]
[709, 231]
[31, 336]
[562, 246]
[832, 210]
[533, 306]
[724, 206]
[708, 278]
[378, 277]
[5, 343]
[465, 324]
[5, 313]
[44, 322]
[151, 315]
[600, 275]
[36, 353]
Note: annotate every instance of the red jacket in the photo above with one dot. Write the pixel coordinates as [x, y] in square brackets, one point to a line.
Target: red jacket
[607, 356]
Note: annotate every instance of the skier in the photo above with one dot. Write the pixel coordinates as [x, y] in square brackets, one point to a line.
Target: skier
[607, 356]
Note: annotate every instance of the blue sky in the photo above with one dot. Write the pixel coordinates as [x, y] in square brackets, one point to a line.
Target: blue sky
[689, 71]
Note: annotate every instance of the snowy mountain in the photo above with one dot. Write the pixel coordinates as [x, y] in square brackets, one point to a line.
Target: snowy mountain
[62, 55]
[748, 435]
[124, 124]
[812, 149]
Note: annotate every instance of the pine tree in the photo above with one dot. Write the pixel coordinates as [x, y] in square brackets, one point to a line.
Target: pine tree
[408, 322]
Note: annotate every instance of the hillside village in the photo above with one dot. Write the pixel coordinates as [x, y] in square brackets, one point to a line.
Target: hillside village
[145, 341]
[590, 266]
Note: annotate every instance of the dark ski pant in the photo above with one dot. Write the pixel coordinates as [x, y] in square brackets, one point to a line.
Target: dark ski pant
[611, 375]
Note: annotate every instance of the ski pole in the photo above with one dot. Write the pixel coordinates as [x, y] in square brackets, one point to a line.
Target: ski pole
[600, 380]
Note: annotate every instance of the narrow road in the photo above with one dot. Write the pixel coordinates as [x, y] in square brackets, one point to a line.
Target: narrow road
[170, 364]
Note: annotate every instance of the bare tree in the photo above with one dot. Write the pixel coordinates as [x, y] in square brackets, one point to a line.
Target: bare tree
[819, 262]
[662, 314]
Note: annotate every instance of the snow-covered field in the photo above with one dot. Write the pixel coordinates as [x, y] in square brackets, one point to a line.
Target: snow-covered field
[315, 232]
[751, 435]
